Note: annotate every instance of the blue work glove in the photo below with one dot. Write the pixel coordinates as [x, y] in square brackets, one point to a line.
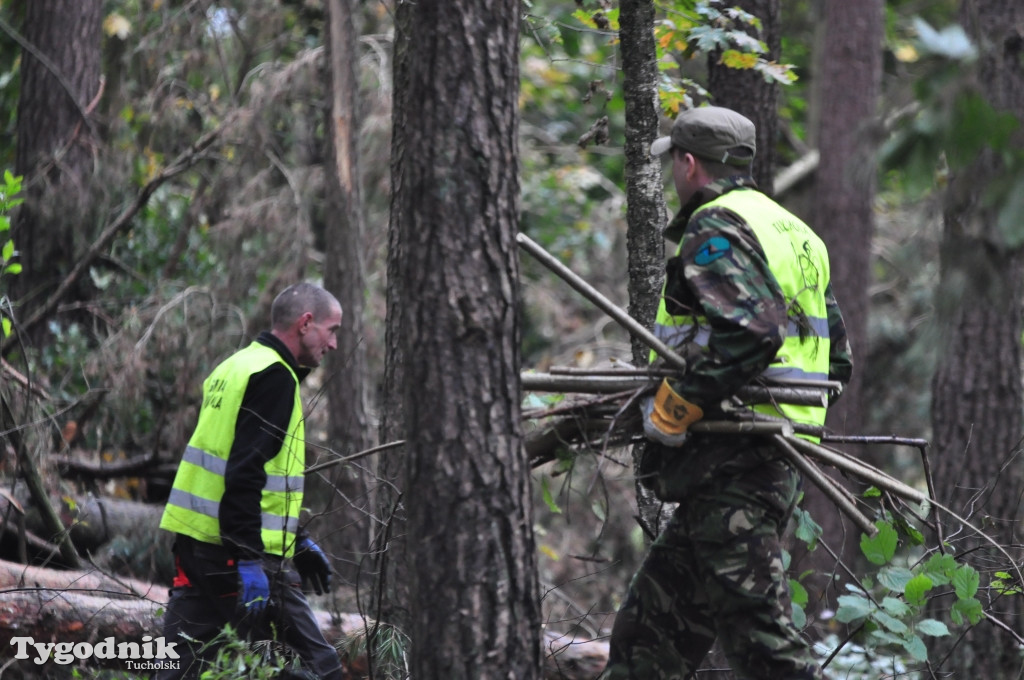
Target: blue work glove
[253, 587]
[312, 565]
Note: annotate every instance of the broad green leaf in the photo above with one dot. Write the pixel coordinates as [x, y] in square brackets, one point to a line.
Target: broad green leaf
[799, 616]
[969, 608]
[5, 323]
[915, 647]
[14, 268]
[932, 627]
[807, 530]
[880, 548]
[891, 623]
[852, 607]
[797, 593]
[872, 492]
[895, 578]
[8, 251]
[895, 607]
[917, 588]
[965, 582]
[940, 568]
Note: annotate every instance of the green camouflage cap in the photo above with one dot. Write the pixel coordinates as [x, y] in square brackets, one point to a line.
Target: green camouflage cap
[713, 133]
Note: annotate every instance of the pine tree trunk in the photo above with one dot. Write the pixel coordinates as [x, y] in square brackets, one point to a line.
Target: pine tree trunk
[474, 605]
[850, 60]
[976, 399]
[60, 83]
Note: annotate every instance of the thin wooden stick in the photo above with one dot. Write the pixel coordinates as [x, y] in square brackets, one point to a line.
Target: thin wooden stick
[606, 384]
[827, 485]
[862, 470]
[603, 303]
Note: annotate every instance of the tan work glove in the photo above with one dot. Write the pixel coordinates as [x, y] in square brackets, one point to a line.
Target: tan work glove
[667, 416]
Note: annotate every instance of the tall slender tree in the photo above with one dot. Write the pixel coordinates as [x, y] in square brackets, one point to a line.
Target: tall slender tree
[849, 59]
[976, 396]
[345, 274]
[60, 87]
[845, 182]
[645, 198]
[473, 605]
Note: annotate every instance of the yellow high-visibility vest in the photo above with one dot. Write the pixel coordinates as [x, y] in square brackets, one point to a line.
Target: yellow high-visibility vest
[798, 259]
[194, 503]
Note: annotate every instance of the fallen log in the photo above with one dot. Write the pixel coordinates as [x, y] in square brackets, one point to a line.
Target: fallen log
[51, 605]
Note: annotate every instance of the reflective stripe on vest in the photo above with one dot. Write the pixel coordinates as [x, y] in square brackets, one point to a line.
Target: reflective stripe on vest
[799, 261]
[193, 507]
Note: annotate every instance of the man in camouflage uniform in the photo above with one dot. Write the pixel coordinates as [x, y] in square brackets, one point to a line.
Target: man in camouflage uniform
[747, 297]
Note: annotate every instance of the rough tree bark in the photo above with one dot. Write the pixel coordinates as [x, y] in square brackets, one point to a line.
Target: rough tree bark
[474, 594]
[60, 86]
[850, 60]
[747, 91]
[976, 397]
[844, 185]
[645, 197]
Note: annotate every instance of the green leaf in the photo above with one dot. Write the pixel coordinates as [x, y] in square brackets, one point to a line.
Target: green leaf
[8, 251]
[881, 548]
[917, 588]
[932, 627]
[916, 648]
[969, 608]
[799, 616]
[895, 607]
[5, 323]
[940, 568]
[891, 623]
[807, 530]
[887, 638]
[872, 492]
[797, 593]
[965, 582]
[852, 607]
[597, 507]
[895, 578]
[14, 268]
[548, 498]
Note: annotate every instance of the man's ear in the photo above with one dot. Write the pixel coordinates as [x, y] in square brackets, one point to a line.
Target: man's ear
[302, 323]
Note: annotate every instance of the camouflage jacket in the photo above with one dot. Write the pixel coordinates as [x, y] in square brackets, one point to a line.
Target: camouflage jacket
[740, 298]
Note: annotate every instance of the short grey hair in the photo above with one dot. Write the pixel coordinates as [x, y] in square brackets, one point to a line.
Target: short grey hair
[299, 298]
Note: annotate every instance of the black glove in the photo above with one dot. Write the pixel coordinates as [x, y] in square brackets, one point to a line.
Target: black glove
[313, 565]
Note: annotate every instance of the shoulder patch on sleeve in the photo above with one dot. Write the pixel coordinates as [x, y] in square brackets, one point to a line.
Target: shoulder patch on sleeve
[712, 249]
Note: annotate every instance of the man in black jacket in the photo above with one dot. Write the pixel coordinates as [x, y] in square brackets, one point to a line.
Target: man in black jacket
[235, 503]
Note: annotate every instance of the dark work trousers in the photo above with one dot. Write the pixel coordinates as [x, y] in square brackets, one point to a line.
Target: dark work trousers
[198, 613]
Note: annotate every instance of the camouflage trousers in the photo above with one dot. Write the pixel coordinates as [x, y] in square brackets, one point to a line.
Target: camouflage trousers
[716, 572]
